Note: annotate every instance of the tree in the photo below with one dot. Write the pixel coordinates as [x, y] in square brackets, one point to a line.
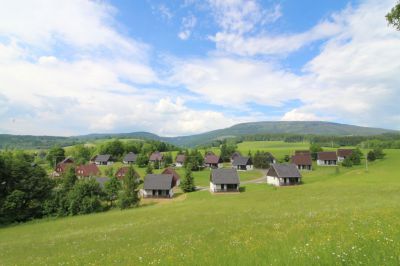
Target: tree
[55, 155]
[356, 156]
[85, 197]
[347, 162]
[379, 153]
[371, 156]
[149, 169]
[69, 179]
[262, 160]
[109, 171]
[314, 149]
[227, 151]
[130, 194]
[168, 159]
[393, 17]
[286, 158]
[187, 184]
[81, 154]
[195, 159]
[24, 188]
[115, 148]
[112, 188]
[142, 160]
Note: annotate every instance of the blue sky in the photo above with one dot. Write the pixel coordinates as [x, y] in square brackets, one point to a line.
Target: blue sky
[185, 67]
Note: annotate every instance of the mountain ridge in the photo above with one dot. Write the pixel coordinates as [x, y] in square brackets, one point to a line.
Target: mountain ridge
[242, 129]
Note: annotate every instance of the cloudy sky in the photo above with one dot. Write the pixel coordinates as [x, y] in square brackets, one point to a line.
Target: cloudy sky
[183, 67]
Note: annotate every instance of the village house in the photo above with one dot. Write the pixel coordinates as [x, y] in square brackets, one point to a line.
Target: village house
[342, 154]
[212, 161]
[242, 163]
[158, 186]
[283, 175]
[327, 158]
[62, 166]
[224, 180]
[103, 159]
[102, 181]
[176, 179]
[121, 172]
[156, 157]
[235, 155]
[87, 170]
[303, 161]
[180, 160]
[129, 158]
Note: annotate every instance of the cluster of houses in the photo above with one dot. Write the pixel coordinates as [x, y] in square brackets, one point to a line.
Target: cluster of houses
[221, 179]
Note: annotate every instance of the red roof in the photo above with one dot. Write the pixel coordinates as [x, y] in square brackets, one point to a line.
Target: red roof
[212, 159]
[122, 172]
[175, 175]
[302, 152]
[302, 159]
[87, 170]
[62, 167]
[327, 155]
[344, 152]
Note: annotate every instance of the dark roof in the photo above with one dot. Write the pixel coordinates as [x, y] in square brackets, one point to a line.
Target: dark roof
[103, 158]
[327, 155]
[156, 156]
[122, 172]
[239, 160]
[180, 158]
[101, 180]
[302, 159]
[235, 154]
[212, 159]
[285, 170]
[224, 176]
[160, 181]
[130, 157]
[344, 152]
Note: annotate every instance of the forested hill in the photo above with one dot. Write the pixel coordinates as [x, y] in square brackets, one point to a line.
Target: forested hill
[271, 127]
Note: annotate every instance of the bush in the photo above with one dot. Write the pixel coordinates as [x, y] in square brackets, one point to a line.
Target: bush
[347, 162]
[371, 156]
[85, 197]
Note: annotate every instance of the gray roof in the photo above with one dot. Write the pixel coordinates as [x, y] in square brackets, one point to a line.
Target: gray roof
[130, 157]
[102, 180]
[160, 181]
[103, 158]
[224, 176]
[239, 160]
[286, 170]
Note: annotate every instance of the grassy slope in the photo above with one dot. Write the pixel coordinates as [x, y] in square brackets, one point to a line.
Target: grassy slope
[343, 218]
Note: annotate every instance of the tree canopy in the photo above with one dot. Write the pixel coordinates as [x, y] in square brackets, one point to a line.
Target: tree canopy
[393, 17]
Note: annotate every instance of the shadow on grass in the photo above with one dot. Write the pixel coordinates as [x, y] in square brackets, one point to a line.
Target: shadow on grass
[242, 189]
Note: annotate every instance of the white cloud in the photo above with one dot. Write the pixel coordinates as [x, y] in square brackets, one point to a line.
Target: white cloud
[354, 78]
[188, 23]
[165, 12]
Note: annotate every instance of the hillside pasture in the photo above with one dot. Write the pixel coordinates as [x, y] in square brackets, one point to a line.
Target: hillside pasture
[344, 217]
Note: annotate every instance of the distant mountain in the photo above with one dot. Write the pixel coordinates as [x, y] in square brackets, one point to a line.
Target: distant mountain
[269, 127]
[279, 127]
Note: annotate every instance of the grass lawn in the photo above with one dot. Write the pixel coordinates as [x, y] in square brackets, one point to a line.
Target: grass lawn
[335, 218]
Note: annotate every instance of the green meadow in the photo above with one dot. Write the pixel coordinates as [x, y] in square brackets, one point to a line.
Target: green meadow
[336, 217]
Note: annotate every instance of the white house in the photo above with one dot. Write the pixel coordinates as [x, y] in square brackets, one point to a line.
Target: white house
[242, 163]
[103, 159]
[158, 186]
[224, 180]
[303, 161]
[180, 160]
[283, 175]
[129, 158]
[212, 161]
[327, 158]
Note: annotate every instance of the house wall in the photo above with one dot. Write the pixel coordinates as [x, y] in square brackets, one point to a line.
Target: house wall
[276, 181]
[178, 165]
[304, 167]
[340, 159]
[326, 162]
[154, 193]
[218, 187]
